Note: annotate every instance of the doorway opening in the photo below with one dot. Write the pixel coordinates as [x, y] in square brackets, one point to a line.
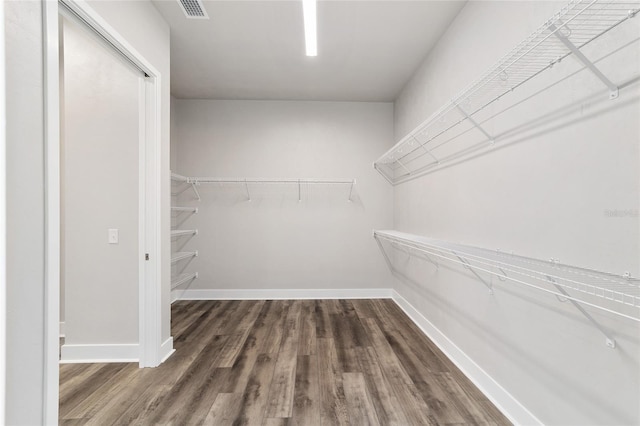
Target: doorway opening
[131, 198]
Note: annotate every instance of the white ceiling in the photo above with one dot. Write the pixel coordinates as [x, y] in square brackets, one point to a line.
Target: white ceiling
[367, 50]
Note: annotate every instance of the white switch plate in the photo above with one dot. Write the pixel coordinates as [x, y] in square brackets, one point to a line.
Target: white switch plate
[113, 236]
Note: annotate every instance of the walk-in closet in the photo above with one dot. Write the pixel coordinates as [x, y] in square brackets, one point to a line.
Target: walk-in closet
[315, 212]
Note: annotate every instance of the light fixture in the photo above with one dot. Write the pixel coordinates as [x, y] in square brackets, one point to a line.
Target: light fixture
[310, 27]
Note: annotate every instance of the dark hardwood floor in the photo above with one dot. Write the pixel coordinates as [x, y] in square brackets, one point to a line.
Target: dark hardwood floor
[303, 362]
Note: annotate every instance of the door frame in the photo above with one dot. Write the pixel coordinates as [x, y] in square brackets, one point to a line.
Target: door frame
[150, 178]
[3, 223]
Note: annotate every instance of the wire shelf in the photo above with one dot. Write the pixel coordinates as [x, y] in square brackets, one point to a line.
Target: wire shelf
[182, 232]
[183, 279]
[614, 293]
[435, 141]
[184, 209]
[176, 257]
[194, 182]
[178, 178]
[201, 180]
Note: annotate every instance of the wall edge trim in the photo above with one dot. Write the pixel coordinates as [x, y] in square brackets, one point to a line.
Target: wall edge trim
[279, 294]
[499, 396]
[166, 349]
[71, 354]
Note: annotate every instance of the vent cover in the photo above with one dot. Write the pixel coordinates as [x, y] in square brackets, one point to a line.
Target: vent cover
[193, 9]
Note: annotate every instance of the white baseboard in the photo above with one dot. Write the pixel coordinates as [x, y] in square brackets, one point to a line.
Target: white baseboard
[99, 353]
[63, 329]
[275, 294]
[175, 295]
[166, 350]
[503, 400]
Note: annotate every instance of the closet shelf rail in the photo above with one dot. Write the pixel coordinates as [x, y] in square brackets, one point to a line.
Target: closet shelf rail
[176, 257]
[618, 294]
[183, 232]
[183, 179]
[184, 209]
[195, 181]
[573, 27]
[183, 279]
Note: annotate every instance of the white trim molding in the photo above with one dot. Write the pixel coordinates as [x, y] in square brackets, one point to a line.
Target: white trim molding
[52, 210]
[127, 352]
[166, 350]
[3, 222]
[63, 329]
[499, 396]
[277, 294]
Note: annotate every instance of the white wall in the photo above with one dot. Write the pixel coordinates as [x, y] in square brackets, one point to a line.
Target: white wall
[274, 241]
[3, 222]
[140, 23]
[100, 161]
[62, 169]
[174, 135]
[562, 159]
[144, 28]
[25, 214]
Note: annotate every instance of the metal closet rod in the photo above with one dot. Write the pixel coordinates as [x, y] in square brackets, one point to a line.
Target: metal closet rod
[198, 180]
[194, 181]
[533, 273]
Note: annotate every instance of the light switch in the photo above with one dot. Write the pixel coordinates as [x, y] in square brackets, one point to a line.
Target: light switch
[113, 236]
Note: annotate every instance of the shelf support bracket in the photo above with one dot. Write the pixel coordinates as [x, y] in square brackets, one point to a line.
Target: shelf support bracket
[475, 124]
[428, 259]
[613, 89]
[426, 150]
[246, 188]
[384, 175]
[353, 183]
[504, 274]
[468, 265]
[403, 166]
[610, 341]
[384, 254]
[195, 190]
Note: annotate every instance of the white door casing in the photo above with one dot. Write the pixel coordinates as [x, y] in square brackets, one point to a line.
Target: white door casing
[149, 195]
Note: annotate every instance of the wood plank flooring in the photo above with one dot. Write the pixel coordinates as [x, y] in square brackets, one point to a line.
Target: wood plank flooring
[282, 362]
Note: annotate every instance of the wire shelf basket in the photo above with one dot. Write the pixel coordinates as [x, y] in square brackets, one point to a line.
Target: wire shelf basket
[435, 141]
[614, 293]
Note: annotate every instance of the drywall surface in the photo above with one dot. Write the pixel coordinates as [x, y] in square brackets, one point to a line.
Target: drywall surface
[280, 240]
[25, 213]
[174, 135]
[561, 181]
[144, 28]
[62, 168]
[101, 104]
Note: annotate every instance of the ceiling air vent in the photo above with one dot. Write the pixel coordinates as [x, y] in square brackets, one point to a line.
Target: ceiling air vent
[193, 9]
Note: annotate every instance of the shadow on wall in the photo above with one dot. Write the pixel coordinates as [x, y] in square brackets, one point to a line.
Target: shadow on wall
[550, 373]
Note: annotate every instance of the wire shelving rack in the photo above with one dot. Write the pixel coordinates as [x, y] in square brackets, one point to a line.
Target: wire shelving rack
[618, 294]
[436, 140]
[194, 182]
[181, 255]
[182, 278]
[183, 232]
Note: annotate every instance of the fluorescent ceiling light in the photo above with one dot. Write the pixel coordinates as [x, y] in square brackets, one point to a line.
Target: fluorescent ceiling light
[310, 27]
